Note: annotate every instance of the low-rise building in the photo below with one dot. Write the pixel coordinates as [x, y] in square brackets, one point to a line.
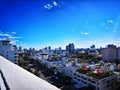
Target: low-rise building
[97, 81]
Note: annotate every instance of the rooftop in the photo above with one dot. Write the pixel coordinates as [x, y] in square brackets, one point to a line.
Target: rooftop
[98, 75]
[16, 78]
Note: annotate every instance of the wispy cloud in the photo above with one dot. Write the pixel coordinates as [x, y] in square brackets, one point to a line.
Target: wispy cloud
[55, 3]
[5, 35]
[51, 5]
[48, 6]
[15, 37]
[110, 21]
[2, 38]
[84, 33]
[9, 35]
[13, 32]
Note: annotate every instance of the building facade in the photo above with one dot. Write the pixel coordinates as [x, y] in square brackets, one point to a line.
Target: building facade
[119, 53]
[9, 51]
[70, 47]
[109, 53]
[107, 83]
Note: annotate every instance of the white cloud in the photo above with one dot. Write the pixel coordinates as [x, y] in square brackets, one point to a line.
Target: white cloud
[55, 3]
[51, 5]
[8, 35]
[14, 37]
[110, 21]
[15, 41]
[2, 38]
[48, 6]
[5, 35]
[84, 33]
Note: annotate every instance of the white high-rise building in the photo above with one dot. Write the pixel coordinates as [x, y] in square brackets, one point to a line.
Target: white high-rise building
[9, 51]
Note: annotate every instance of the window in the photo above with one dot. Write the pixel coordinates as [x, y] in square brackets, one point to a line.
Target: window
[15, 57]
[78, 79]
[78, 75]
[84, 78]
[4, 43]
[74, 77]
[91, 81]
[74, 74]
[81, 76]
[15, 53]
[15, 60]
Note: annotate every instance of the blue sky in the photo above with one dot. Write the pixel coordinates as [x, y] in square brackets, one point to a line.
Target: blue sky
[55, 23]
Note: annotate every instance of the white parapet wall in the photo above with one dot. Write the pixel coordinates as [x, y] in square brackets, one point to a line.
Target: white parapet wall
[17, 78]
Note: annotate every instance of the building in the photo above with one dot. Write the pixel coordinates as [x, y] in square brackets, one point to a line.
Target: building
[92, 47]
[109, 53]
[70, 48]
[49, 48]
[20, 49]
[119, 53]
[107, 83]
[9, 51]
[31, 51]
[94, 53]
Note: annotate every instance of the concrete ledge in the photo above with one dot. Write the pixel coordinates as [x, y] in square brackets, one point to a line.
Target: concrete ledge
[18, 78]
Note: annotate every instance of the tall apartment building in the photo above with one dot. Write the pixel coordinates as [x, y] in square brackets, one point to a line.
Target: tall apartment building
[9, 51]
[109, 53]
[70, 47]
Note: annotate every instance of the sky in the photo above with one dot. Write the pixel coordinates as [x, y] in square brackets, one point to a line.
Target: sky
[55, 23]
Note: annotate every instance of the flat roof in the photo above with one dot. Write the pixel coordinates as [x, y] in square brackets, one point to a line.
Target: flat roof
[18, 78]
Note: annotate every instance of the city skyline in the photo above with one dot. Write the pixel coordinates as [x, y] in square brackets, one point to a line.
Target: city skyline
[57, 23]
